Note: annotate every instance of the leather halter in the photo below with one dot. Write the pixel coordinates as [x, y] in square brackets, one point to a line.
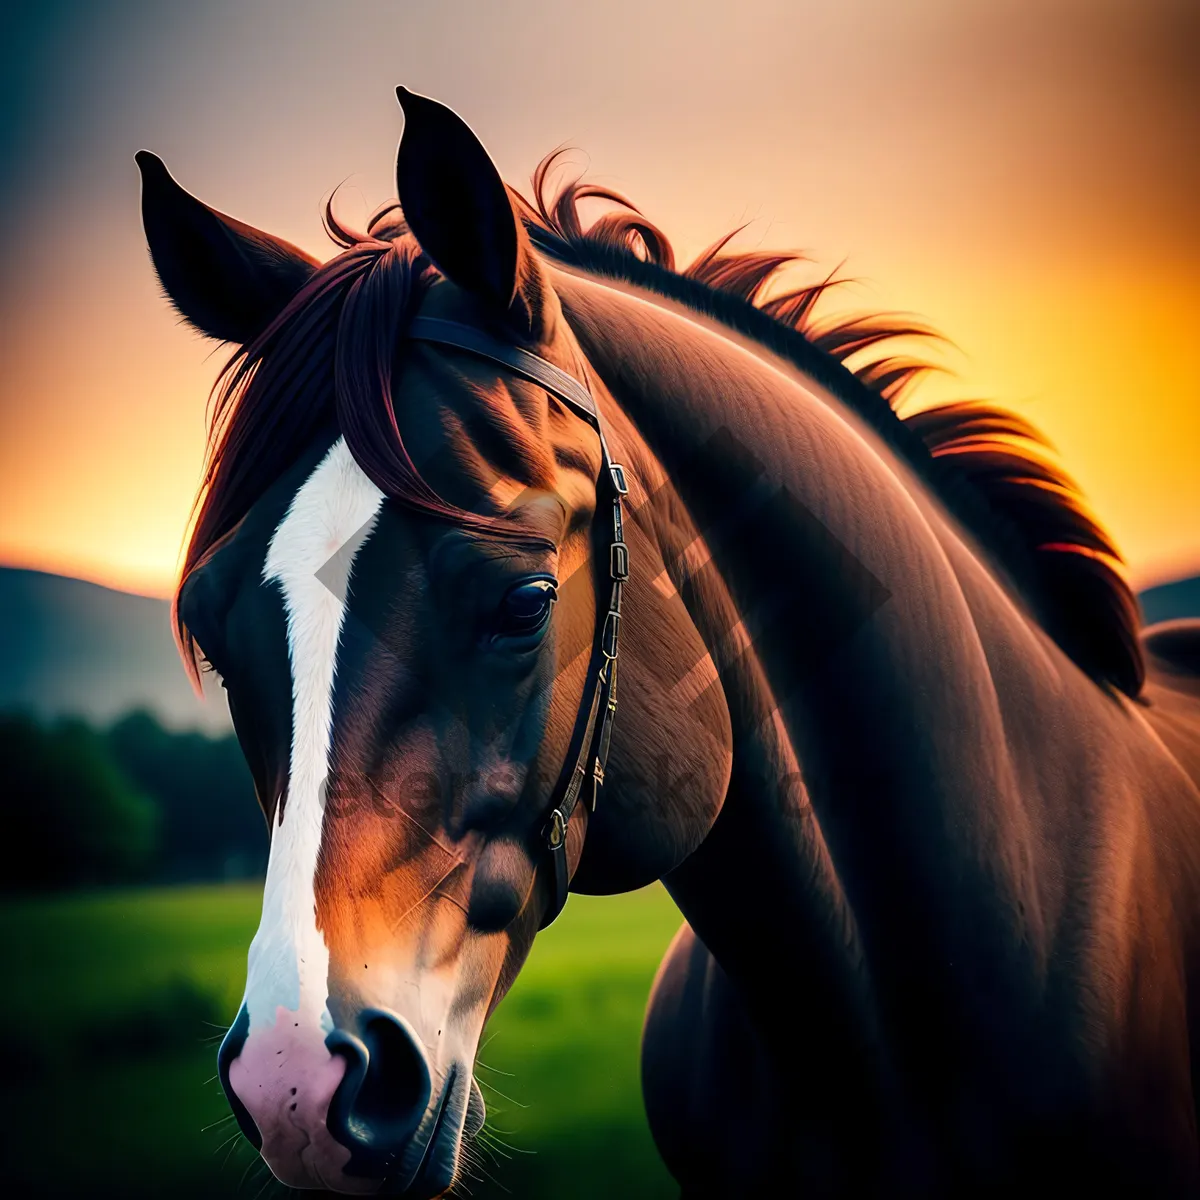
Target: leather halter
[582, 775]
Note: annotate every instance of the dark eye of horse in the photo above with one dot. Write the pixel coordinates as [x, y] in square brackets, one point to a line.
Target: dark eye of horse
[525, 610]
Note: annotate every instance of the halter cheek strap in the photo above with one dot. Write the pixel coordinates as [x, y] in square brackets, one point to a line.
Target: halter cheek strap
[582, 775]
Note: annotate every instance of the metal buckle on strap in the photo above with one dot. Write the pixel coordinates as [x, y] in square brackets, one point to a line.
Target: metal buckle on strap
[556, 832]
[620, 484]
[618, 561]
[610, 634]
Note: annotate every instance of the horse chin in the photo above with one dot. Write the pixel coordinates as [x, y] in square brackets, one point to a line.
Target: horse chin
[430, 1168]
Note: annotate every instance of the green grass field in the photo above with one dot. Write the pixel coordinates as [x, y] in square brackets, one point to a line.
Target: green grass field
[115, 1003]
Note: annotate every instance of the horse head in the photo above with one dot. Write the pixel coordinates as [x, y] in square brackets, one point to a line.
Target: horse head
[401, 570]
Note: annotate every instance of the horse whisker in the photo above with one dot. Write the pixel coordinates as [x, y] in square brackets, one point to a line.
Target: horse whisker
[491, 1087]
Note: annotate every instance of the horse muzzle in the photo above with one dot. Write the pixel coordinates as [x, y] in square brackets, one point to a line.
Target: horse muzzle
[354, 1111]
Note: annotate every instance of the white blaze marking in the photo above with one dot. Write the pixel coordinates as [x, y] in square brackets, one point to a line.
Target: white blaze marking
[289, 960]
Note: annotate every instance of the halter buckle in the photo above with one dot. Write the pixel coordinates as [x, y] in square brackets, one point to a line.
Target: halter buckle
[620, 484]
[618, 561]
[610, 635]
[557, 833]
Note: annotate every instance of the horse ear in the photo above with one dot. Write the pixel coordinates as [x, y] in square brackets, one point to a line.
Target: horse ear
[460, 212]
[227, 279]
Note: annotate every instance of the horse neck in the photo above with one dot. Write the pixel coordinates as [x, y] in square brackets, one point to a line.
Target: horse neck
[864, 713]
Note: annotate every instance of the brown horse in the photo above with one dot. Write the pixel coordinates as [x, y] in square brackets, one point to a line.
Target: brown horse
[887, 728]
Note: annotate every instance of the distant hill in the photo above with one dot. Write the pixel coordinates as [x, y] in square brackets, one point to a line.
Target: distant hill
[1169, 601]
[71, 647]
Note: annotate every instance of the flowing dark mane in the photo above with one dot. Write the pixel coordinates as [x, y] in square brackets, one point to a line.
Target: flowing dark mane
[992, 469]
[328, 357]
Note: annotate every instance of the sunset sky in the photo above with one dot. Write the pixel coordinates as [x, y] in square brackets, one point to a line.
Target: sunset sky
[1023, 174]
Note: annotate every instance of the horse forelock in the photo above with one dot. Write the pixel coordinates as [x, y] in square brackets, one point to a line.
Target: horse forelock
[328, 361]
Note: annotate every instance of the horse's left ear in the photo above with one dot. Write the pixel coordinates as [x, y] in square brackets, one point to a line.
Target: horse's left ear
[227, 279]
[462, 216]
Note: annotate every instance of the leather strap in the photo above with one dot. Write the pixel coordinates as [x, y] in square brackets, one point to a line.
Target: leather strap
[521, 362]
[582, 775]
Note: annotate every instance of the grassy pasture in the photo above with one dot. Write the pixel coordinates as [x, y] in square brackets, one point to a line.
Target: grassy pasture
[115, 1003]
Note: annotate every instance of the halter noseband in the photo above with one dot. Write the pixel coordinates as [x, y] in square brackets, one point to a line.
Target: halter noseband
[583, 771]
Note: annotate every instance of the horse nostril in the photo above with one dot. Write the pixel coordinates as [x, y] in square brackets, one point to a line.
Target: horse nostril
[384, 1092]
[231, 1047]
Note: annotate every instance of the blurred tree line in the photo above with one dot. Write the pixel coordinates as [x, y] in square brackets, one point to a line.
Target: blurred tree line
[133, 803]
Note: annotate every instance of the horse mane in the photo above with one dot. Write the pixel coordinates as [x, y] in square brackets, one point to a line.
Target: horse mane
[328, 359]
[991, 469]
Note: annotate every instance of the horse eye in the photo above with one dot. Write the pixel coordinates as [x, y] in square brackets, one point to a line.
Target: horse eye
[525, 609]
